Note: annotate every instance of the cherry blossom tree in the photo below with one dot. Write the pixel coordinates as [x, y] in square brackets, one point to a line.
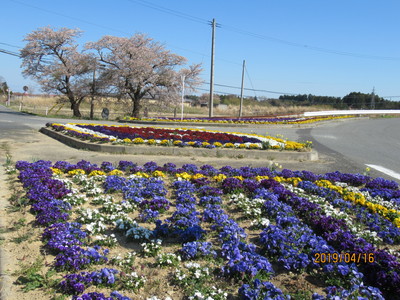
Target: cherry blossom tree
[138, 66]
[51, 58]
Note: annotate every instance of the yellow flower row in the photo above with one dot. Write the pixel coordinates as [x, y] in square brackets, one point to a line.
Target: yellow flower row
[113, 172]
[358, 198]
[292, 180]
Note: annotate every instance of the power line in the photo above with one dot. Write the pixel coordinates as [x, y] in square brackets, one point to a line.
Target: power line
[254, 90]
[220, 92]
[305, 46]
[251, 83]
[170, 11]
[66, 16]
[10, 53]
[261, 36]
[10, 45]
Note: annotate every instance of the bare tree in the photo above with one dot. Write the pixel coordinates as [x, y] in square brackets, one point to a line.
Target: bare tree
[138, 66]
[51, 58]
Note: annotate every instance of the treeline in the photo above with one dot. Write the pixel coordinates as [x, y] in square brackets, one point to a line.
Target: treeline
[354, 100]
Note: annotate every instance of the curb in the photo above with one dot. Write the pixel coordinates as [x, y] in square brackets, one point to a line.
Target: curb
[176, 151]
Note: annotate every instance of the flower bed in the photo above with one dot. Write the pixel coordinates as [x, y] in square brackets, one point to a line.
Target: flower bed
[243, 120]
[180, 137]
[118, 232]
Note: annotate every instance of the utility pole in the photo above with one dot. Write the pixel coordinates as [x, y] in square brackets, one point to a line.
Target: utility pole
[241, 91]
[211, 102]
[9, 97]
[373, 98]
[183, 95]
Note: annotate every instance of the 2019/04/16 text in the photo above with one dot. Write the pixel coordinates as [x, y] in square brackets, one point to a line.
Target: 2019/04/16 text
[344, 257]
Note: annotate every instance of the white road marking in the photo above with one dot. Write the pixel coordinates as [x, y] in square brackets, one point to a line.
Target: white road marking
[385, 171]
[332, 137]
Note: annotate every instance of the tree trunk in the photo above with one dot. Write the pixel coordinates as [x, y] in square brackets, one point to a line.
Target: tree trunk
[92, 108]
[136, 108]
[75, 109]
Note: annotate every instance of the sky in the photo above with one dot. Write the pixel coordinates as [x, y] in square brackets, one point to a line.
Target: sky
[319, 47]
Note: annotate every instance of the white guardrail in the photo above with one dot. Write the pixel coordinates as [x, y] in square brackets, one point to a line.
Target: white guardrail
[351, 112]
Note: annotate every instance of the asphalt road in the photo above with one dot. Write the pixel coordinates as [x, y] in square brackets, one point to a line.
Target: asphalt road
[343, 145]
[369, 142]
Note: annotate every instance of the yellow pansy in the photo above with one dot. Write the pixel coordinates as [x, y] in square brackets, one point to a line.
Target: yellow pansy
[96, 173]
[142, 174]
[116, 172]
[158, 173]
[138, 141]
[56, 171]
[184, 175]
[76, 172]
[219, 177]
[259, 178]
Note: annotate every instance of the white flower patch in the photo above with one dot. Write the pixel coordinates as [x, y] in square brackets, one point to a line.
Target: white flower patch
[101, 199]
[152, 248]
[75, 199]
[112, 218]
[94, 191]
[133, 281]
[252, 208]
[10, 170]
[106, 239]
[341, 184]
[167, 259]
[116, 208]
[126, 261]
[263, 139]
[96, 227]
[89, 215]
[211, 295]
[67, 182]
[87, 131]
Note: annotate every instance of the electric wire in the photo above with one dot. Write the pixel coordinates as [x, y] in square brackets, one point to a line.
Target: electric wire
[10, 53]
[9, 45]
[261, 36]
[251, 83]
[170, 11]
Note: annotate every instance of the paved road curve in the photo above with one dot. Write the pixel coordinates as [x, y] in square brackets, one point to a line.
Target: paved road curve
[346, 146]
[368, 142]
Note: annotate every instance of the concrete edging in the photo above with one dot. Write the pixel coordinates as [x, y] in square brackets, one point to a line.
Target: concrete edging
[176, 151]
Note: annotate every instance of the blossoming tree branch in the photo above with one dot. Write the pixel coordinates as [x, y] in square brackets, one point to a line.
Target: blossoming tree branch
[132, 67]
